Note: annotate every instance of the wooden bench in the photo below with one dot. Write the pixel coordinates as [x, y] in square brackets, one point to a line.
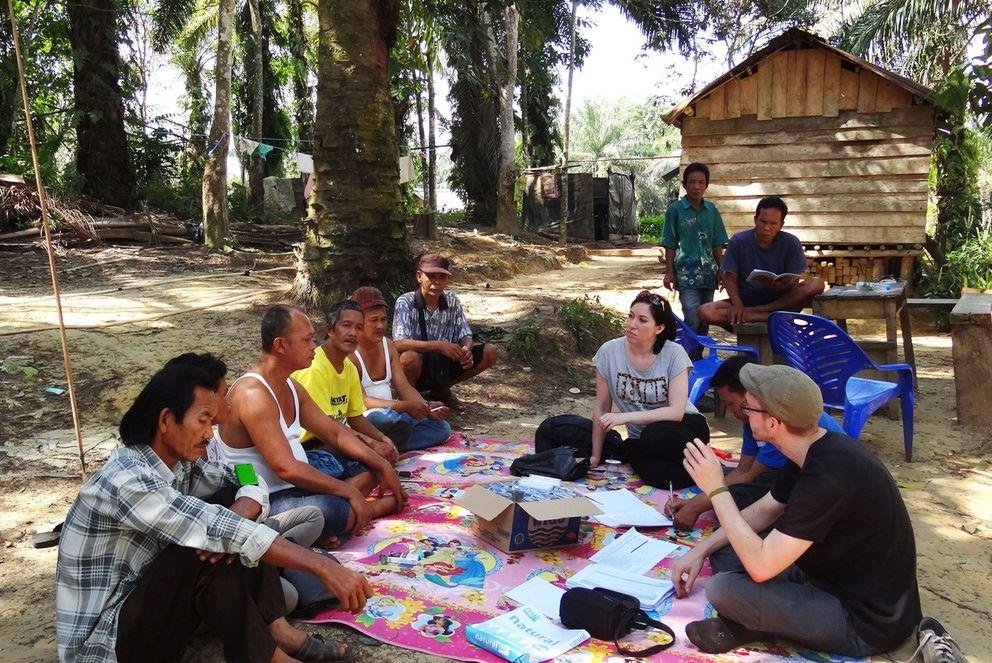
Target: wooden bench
[971, 338]
[921, 302]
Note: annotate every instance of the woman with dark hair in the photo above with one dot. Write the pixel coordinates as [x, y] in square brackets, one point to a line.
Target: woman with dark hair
[645, 376]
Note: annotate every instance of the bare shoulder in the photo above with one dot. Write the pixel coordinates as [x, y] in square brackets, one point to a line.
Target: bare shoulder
[249, 390]
[250, 399]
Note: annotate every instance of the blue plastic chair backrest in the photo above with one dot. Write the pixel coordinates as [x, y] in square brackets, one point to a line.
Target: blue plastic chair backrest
[820, 349]
[685, 336]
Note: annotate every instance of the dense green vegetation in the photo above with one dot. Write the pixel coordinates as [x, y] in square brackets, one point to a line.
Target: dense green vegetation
[89, 63]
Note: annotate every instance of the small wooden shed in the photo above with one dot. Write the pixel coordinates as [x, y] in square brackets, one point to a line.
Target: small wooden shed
[845, 143]
[599, 208]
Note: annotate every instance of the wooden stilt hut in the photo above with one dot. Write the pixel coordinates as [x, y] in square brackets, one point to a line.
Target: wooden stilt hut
[845, 143]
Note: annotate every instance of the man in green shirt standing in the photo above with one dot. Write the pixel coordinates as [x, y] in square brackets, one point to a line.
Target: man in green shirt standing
[693, 237]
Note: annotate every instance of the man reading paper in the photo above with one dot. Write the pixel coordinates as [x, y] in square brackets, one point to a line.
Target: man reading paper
[751, 295]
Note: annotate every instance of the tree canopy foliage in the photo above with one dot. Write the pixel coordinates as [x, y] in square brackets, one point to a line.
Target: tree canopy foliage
[90, 62]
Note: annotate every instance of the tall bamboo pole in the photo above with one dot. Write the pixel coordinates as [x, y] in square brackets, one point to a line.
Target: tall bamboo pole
[43, 203]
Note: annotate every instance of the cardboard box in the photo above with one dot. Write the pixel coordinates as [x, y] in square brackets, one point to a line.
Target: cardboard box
[536, 519]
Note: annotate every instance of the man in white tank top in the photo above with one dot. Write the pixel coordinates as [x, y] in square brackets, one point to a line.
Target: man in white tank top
[390, 398]
[269, 408]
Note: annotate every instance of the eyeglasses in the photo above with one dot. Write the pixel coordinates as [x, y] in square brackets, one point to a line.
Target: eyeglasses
[745, 407]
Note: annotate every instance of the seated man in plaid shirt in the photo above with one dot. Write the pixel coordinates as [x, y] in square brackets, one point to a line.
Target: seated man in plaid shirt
[433, 337]
[144, 558]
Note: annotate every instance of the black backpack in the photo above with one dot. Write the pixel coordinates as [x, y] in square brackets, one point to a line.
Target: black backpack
[571, 430]
[560, 463]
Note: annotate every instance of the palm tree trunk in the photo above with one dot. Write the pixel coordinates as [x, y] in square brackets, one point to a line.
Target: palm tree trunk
[215, 228]
[9, 89]
[102, 157]
[422, 135]
[191, 66]
[432, 152]
[355, 235]
[255, 165]
[563, 196]
[475, 112]
[507, 219]
[524, 127]
[297, 39]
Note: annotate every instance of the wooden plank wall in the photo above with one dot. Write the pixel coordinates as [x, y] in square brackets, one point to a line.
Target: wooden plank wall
[849, 151]
[802, 83]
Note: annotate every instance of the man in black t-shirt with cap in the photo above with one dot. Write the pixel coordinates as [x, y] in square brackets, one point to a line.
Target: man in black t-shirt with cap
[837, 571]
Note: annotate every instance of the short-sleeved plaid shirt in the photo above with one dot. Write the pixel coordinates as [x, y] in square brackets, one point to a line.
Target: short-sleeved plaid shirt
[126, 514]
[446, 323]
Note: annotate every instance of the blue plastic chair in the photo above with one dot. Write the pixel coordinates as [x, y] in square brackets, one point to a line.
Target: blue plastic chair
[704, 368]
[822, 350]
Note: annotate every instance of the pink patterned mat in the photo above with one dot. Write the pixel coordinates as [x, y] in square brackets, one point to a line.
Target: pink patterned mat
[459, 580]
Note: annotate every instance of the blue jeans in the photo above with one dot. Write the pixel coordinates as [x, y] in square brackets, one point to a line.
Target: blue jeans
[424, 433]
[691, 299]
[336, 509]
[333, 466]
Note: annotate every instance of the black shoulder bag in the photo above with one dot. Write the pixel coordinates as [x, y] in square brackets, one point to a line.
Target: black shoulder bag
[559, 463]
[609, 615]
[436, 368]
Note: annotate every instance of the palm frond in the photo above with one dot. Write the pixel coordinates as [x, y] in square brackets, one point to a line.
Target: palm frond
[169, 19]
[888, 28]
[663, 22]
[201, 25]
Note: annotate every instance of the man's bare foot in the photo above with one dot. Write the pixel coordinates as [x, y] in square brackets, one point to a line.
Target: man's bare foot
[385, 505]
[288, 638]
[318, 648]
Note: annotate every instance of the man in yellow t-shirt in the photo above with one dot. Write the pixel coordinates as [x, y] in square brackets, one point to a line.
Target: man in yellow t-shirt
[333, 381]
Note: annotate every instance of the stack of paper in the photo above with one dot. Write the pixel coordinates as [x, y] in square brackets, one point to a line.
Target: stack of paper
[651, 592]
[524, 635]
[622, 508]
[634, 552]
[540, 594]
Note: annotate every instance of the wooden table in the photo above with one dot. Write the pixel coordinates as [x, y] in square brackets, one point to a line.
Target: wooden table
[843, 303]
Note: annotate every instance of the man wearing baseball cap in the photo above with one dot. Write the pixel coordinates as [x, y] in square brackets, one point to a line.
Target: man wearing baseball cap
[433, 337]
[391, 401]
[837, 571]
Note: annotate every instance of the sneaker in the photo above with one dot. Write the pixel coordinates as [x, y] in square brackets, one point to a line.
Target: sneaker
[936, 644]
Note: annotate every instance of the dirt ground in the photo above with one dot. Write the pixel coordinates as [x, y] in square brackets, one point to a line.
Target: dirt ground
[141, 306]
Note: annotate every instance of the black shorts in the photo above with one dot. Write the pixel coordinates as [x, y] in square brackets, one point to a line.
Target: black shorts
[439, 371]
